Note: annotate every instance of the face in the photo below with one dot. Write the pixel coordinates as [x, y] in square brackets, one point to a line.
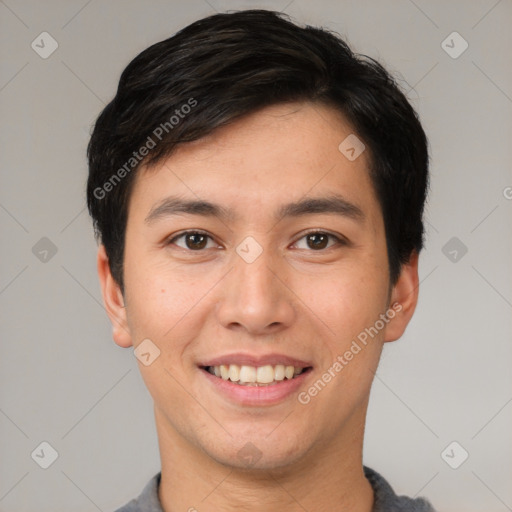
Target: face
[259, 253]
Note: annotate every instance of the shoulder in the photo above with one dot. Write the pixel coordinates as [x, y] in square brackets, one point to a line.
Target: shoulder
[385, 499]
[147, 501]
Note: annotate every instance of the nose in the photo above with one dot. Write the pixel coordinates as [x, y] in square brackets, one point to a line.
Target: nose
[255, 298]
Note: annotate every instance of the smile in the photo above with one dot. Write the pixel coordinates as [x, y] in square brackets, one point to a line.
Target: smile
[267, 375]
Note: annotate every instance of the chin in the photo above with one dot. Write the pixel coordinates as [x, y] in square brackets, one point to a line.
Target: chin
[257, 451]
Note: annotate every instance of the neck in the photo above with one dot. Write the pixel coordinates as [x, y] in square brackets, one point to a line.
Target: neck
[327, 478]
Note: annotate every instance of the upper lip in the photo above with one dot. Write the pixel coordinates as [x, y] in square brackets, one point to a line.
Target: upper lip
[243, 359]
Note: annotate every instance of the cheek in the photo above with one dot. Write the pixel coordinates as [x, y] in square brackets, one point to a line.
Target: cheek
[348, 299]
[162, 299]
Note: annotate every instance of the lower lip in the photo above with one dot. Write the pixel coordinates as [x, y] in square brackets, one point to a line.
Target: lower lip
[256, 395]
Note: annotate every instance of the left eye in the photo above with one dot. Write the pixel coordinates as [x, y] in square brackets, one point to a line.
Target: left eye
[318, 240]
[193, 240]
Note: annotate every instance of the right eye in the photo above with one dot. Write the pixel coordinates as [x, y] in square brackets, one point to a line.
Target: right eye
[192, 240]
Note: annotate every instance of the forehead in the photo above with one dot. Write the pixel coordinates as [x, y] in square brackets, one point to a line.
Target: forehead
[277, 155]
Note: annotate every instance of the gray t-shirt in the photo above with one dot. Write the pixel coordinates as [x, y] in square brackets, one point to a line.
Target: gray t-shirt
[385, 498]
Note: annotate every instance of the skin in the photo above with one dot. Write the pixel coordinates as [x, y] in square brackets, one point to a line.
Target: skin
[294, 299]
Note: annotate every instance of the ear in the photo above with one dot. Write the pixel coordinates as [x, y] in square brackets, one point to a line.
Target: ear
[114, 301]
[404, 297]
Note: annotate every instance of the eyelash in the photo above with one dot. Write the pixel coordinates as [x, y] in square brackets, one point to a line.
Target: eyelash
[339, 241]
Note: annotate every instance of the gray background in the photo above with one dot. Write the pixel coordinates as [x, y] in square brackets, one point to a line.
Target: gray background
[64, 381]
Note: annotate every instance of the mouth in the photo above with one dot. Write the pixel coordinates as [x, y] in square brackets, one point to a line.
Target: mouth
[256, 376]
[255, 380]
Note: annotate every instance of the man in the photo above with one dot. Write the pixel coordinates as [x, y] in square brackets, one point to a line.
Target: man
[258, 192]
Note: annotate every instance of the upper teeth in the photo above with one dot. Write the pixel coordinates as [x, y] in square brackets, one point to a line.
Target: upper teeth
[255, 374]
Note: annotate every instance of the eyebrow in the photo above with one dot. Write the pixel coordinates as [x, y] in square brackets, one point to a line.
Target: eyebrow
[333, 204]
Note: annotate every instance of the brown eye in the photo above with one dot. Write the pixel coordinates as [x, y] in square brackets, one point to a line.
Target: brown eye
[318, 240]
[192, 240]
[196, 241]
